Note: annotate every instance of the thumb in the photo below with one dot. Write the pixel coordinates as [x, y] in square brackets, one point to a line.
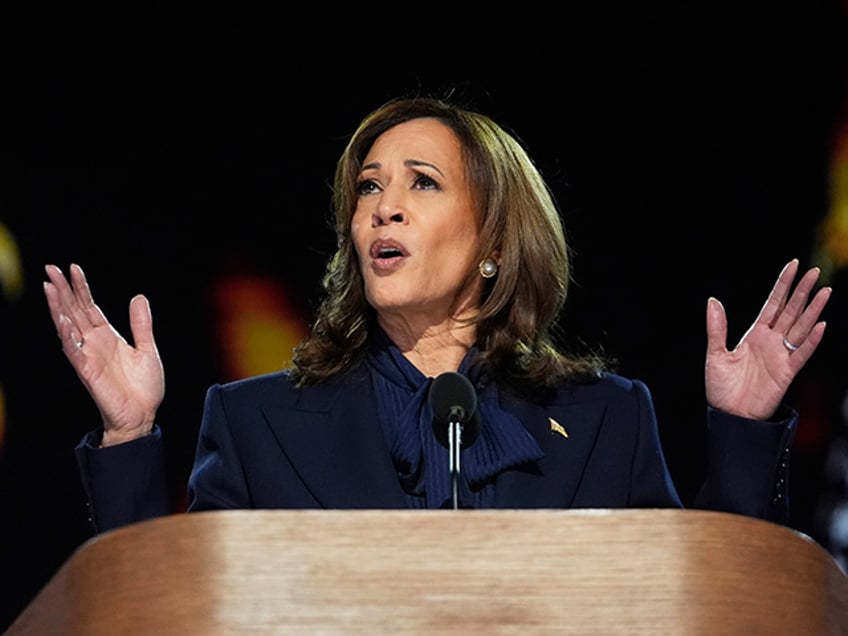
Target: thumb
[716, 326]
[141, 323]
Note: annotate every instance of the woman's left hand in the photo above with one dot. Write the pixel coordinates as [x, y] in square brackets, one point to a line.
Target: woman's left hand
[752, 379]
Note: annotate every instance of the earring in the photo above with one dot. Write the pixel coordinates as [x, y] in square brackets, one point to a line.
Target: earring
[488, 268]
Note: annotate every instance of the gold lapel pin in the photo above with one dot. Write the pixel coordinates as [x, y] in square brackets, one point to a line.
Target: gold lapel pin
[556, 427]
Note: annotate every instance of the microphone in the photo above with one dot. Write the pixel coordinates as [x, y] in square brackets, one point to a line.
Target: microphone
[456, 422]
[453, 399]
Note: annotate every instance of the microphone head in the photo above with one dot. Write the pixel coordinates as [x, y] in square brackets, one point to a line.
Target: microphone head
[454, 400]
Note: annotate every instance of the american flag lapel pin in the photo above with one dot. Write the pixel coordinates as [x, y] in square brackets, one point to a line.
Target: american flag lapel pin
[556, 427]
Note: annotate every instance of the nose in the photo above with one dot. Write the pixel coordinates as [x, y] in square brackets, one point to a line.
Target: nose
[389, 210]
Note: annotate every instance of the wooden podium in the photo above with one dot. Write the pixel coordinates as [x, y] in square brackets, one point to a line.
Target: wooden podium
[459, 572]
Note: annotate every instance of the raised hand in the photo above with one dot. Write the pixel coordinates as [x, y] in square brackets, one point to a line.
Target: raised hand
[126, 382]
[751, 380]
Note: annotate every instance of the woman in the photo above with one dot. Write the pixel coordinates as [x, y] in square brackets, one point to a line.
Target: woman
[451, 257]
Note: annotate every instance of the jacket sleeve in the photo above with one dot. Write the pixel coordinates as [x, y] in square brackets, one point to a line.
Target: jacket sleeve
[124, 483]
[748, 465]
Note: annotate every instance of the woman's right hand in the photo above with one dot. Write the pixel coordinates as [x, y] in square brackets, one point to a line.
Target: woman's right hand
[126, 382]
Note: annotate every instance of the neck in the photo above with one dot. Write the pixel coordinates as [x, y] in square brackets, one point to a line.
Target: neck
[433, 349]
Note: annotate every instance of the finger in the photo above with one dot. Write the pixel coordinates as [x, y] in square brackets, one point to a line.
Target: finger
[53, 302]
[70, 337]
[716, 327]
[71, 306]
[91, 311]
[795, 307]
[80, 284]
[780, 291]
[57, 278]
[815, 337]
[802, 329]
[67, 299]
[57, 292]
[807, 347]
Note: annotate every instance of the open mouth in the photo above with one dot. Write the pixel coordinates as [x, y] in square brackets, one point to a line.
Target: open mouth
[389, 252]
[386, 249]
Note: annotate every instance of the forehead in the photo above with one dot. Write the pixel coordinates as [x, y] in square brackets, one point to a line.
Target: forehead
[424, 138]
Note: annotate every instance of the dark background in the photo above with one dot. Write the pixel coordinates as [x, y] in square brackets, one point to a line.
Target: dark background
[681, 171]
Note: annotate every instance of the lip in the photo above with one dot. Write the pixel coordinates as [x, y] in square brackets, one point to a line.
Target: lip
[387, 264]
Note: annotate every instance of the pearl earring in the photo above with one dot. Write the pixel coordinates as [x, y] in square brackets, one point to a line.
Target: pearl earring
[488, 268]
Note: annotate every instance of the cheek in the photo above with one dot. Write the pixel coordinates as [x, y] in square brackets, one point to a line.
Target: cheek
[356, 234]
[467, 235]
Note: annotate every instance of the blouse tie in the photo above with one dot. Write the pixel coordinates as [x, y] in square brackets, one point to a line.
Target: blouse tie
[422, 463]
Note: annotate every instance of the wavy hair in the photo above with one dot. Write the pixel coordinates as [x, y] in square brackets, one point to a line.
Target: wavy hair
[520, 220]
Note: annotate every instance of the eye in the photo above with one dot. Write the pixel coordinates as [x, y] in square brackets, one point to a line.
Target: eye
[425, 182]
[367, 186]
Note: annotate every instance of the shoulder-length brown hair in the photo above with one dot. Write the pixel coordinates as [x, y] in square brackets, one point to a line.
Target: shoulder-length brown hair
[519, 221]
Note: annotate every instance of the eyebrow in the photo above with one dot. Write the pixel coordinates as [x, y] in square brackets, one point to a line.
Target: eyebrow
[409, 163]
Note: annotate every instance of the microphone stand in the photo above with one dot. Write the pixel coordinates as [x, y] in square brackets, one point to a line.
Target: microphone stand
[454, 448]
[454, 402]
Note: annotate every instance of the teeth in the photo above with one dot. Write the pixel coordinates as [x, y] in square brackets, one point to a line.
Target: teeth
[389, 253]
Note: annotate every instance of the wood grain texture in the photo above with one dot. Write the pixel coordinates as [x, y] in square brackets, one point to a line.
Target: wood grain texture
[448, 572]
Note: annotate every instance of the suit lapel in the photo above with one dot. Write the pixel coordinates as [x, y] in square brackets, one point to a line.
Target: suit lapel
[354, 469]
[333, 439]
[566, 436]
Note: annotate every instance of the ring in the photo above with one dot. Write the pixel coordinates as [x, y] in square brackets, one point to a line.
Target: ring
[789, 345]
[81, 342]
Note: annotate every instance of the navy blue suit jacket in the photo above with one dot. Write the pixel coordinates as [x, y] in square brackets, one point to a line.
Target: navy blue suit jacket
[265, 444]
